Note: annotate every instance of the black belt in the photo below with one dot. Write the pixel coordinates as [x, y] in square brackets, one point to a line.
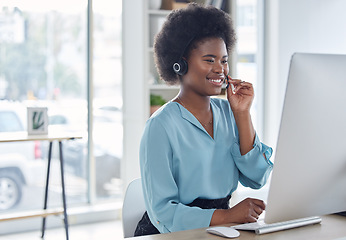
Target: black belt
[145, 227]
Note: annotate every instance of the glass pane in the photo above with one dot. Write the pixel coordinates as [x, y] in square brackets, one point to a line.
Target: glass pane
[247, 50]
[42, 63]
[248, 66]
[107, 114]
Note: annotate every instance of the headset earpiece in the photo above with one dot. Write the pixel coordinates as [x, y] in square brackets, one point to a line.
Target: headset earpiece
[180, 67]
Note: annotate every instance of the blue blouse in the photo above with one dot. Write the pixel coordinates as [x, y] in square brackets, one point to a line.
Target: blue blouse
[180, 162]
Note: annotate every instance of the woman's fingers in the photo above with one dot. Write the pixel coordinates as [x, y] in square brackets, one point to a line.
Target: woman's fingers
[256, 207]
[259, 203]
[237, 84]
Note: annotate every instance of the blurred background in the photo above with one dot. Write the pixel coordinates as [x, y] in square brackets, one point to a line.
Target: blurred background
[90, 63]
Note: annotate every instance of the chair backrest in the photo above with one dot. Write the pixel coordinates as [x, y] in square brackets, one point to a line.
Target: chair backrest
[133, 207]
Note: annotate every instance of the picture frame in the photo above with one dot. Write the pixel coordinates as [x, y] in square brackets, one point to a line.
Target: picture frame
[37, 120]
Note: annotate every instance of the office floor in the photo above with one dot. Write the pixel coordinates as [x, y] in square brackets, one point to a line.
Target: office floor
[111, 230]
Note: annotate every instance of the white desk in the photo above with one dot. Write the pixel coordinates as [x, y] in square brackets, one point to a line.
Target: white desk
[51, 137]
[332, 227]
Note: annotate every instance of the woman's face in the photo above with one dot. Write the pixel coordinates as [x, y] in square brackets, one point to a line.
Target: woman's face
[207, 67]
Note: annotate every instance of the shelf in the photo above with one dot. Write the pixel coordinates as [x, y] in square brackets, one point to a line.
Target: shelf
[167, 92]
[163, 87]
[159, 12]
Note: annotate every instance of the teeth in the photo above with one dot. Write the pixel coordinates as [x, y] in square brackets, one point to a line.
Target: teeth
[215, 80]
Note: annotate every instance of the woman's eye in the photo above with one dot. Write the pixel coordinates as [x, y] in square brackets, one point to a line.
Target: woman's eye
[213, 60]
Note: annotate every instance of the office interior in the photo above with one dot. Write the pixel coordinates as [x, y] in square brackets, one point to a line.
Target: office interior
[89, 64]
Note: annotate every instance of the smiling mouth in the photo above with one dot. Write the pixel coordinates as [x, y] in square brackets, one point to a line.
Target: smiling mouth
[216, 81]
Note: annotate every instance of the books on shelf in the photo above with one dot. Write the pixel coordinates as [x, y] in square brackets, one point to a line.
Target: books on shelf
[217, 3]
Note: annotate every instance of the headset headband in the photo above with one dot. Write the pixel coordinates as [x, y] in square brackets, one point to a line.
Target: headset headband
[186, 46]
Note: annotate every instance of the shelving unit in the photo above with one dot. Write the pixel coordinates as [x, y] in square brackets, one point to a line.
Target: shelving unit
[154, 19]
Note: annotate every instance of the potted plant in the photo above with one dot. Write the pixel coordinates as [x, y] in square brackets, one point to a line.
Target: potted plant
[156, 101]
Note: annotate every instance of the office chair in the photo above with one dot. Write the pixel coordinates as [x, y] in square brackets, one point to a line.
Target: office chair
[133, 207]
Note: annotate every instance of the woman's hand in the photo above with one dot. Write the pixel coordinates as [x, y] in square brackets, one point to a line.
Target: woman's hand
[246, 211]
[240, 95]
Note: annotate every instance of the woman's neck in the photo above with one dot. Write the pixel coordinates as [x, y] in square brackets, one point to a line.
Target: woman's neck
[194, 103]
[200, 108]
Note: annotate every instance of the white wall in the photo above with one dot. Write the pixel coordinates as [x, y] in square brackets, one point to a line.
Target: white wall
[296, 26]
[135, 100]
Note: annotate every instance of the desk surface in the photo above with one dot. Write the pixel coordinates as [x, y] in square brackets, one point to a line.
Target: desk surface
[51, 136]
[332, 227]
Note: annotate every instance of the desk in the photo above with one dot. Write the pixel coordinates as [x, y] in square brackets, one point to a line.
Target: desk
[332, 227]
[51, 137]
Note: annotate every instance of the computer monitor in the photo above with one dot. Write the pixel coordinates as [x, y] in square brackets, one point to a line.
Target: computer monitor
[309, 175]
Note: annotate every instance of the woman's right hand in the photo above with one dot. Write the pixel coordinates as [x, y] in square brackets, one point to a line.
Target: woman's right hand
[245, 211]
[240, 95]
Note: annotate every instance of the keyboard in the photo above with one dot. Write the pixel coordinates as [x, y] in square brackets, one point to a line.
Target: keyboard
[260, 227]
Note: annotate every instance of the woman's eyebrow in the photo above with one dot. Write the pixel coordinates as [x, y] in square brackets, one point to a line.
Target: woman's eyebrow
[214, 56]
[209, 55]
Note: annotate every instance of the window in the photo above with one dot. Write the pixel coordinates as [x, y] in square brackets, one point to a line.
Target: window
[249, 52]
[43, 62]
[9, 122]
[107, 102]
[249, 67]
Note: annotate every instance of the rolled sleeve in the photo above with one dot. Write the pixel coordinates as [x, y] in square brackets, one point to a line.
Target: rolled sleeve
[255, 166]
[184, 218]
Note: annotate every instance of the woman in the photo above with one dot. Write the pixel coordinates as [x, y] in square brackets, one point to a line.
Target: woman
[195, 149]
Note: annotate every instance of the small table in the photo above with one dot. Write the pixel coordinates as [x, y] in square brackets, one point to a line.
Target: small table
[51, 137]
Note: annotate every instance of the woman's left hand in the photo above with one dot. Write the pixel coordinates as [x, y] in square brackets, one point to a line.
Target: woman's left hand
[240, 95]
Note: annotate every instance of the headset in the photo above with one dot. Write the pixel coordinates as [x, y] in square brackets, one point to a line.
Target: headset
[180, 67]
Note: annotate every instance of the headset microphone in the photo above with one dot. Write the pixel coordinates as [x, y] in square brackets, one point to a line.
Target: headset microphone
[226, 82]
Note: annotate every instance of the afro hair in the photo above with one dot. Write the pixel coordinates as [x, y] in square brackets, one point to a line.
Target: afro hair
[184, 28]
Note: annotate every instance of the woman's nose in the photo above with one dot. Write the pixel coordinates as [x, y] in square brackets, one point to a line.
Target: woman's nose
[218, 68]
